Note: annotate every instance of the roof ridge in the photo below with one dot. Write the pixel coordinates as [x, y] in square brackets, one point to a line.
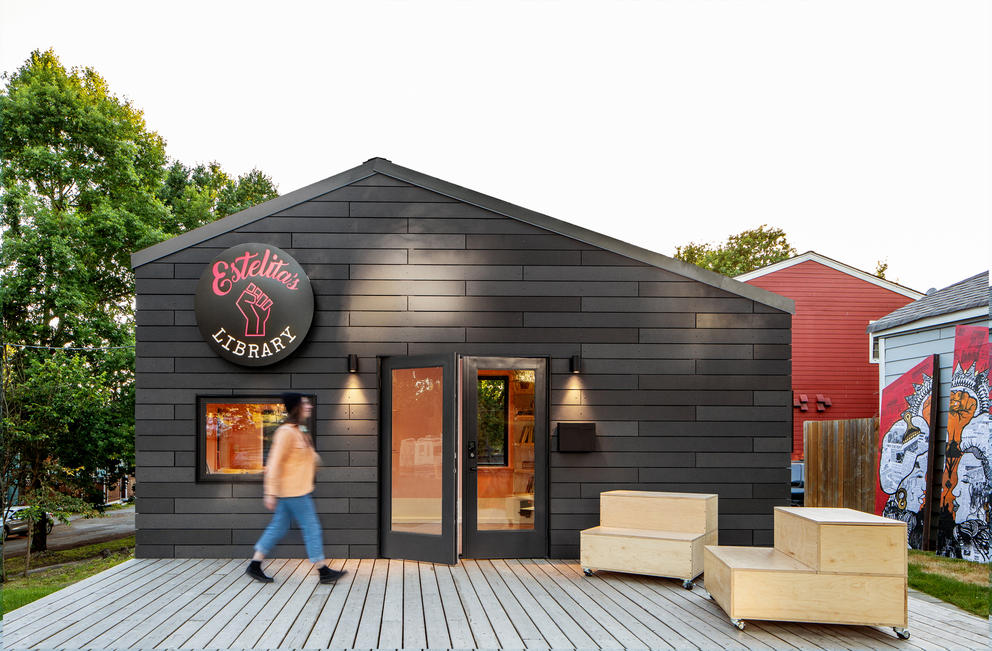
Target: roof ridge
[465, 195]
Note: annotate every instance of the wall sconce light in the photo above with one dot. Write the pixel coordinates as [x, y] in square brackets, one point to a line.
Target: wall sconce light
[353, 363]
[575, 364]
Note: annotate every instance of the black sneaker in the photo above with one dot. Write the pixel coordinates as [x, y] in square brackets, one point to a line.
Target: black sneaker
[327, 575]
[254, 570]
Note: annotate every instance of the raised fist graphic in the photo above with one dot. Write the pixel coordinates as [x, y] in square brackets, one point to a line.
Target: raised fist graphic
[254, 305]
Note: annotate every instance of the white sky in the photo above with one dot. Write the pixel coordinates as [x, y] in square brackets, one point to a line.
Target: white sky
[861, 128]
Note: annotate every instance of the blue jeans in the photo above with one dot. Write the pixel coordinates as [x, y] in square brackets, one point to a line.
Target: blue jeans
[300, 509]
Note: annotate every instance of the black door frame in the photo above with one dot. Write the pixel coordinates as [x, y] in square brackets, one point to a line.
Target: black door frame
[529, 543]
[408, 545]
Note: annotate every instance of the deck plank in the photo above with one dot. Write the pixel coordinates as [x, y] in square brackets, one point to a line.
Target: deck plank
[435, 626]
[224, 595]
[331, 613]
[577, 636]
[503, 627]
[612, 619]
[244, 592]
[201, 596]
[660, 592]
[128, 613]
[368, 628]
[49, 603]
[454, 611]
[640, 621]
[931, 618]
[525, 626]
[296, 636]
[478, 620]
[245, 627]
[549, 630]
[288, 614]
[534, 604]
[60, 609]
[139, 623]
[351, 613]
[414, 626]
[391, 627]
[53, 630]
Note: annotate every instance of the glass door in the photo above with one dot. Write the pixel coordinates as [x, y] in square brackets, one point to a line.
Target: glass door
[505, 458]
[417, 459]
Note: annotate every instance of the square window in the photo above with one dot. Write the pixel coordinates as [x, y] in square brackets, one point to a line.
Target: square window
[235, 434]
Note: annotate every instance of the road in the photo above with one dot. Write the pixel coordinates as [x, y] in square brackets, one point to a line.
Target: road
[114, 525]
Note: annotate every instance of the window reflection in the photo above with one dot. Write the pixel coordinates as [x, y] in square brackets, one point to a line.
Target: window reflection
[238, 435]
[417, 424]
[506, 489]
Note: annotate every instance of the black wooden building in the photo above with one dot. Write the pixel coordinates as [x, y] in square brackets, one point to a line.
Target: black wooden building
[458, 348]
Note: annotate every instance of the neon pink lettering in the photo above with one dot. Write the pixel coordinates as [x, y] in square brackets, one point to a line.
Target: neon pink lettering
[222, 285]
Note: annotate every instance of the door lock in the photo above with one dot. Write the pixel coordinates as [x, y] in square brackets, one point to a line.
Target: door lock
[471, 455]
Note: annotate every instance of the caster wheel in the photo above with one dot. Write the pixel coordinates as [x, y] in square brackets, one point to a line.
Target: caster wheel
[587, 571]
[901, 633]
[688, 585]
[739, 623]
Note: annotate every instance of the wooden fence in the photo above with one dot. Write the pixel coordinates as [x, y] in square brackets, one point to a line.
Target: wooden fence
[841, 465]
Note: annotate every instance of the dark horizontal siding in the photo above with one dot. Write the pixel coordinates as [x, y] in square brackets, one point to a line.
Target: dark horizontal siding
[688, 384]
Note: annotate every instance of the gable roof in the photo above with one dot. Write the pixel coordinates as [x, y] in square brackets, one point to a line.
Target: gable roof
[387, 168]
[968, 294]
[813, 256]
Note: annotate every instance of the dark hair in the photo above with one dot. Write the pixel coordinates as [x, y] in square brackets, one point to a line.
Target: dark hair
[294, 406]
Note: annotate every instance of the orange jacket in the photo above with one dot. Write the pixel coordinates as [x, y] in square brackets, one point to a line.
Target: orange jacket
[292, 463]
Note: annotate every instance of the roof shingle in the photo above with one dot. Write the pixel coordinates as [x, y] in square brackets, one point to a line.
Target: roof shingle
[966, 294]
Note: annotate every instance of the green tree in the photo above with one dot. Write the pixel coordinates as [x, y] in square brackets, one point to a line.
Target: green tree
[744, 252]
[199, 195]
[83, 183]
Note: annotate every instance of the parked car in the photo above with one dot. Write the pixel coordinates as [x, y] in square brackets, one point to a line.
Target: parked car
[14, 525]
[798, 483]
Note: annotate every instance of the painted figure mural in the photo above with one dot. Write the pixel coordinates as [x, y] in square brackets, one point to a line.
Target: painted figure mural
[905, 450]
[963, 527]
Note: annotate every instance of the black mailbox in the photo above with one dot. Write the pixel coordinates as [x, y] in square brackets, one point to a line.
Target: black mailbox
[576, 437]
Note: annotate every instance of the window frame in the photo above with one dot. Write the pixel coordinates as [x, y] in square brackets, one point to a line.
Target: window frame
[202, 473]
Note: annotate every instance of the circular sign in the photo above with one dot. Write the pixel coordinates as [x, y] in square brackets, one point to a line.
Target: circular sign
[254, 304]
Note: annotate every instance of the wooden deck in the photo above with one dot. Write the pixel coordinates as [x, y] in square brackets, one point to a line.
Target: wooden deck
[388, 604]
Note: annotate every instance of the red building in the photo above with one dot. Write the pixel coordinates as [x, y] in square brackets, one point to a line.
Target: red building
[834, 373]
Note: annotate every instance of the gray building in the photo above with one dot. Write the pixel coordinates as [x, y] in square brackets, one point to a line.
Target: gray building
[481, 372]
[903, 338]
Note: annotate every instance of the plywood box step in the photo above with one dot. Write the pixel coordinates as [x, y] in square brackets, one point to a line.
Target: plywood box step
[842, 540]
[660, 511]
[830, 566]
[758, 559]
[784, 590]
[678, 555]
[643, 533]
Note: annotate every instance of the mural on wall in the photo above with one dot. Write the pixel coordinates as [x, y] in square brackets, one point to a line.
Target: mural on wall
[963, 526]
[905, 450]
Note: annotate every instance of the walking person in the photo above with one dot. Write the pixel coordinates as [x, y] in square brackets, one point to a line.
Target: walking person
[288, 490]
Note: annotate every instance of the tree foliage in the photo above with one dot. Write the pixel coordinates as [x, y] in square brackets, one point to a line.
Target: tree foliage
[83, 184]
[741, 253]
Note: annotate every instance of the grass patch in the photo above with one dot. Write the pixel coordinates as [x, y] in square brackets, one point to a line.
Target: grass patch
[15, 564]
[962, 583]
[84, 562]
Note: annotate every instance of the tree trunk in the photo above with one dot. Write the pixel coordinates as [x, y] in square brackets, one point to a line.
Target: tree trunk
[27, 555]
[40, 538]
